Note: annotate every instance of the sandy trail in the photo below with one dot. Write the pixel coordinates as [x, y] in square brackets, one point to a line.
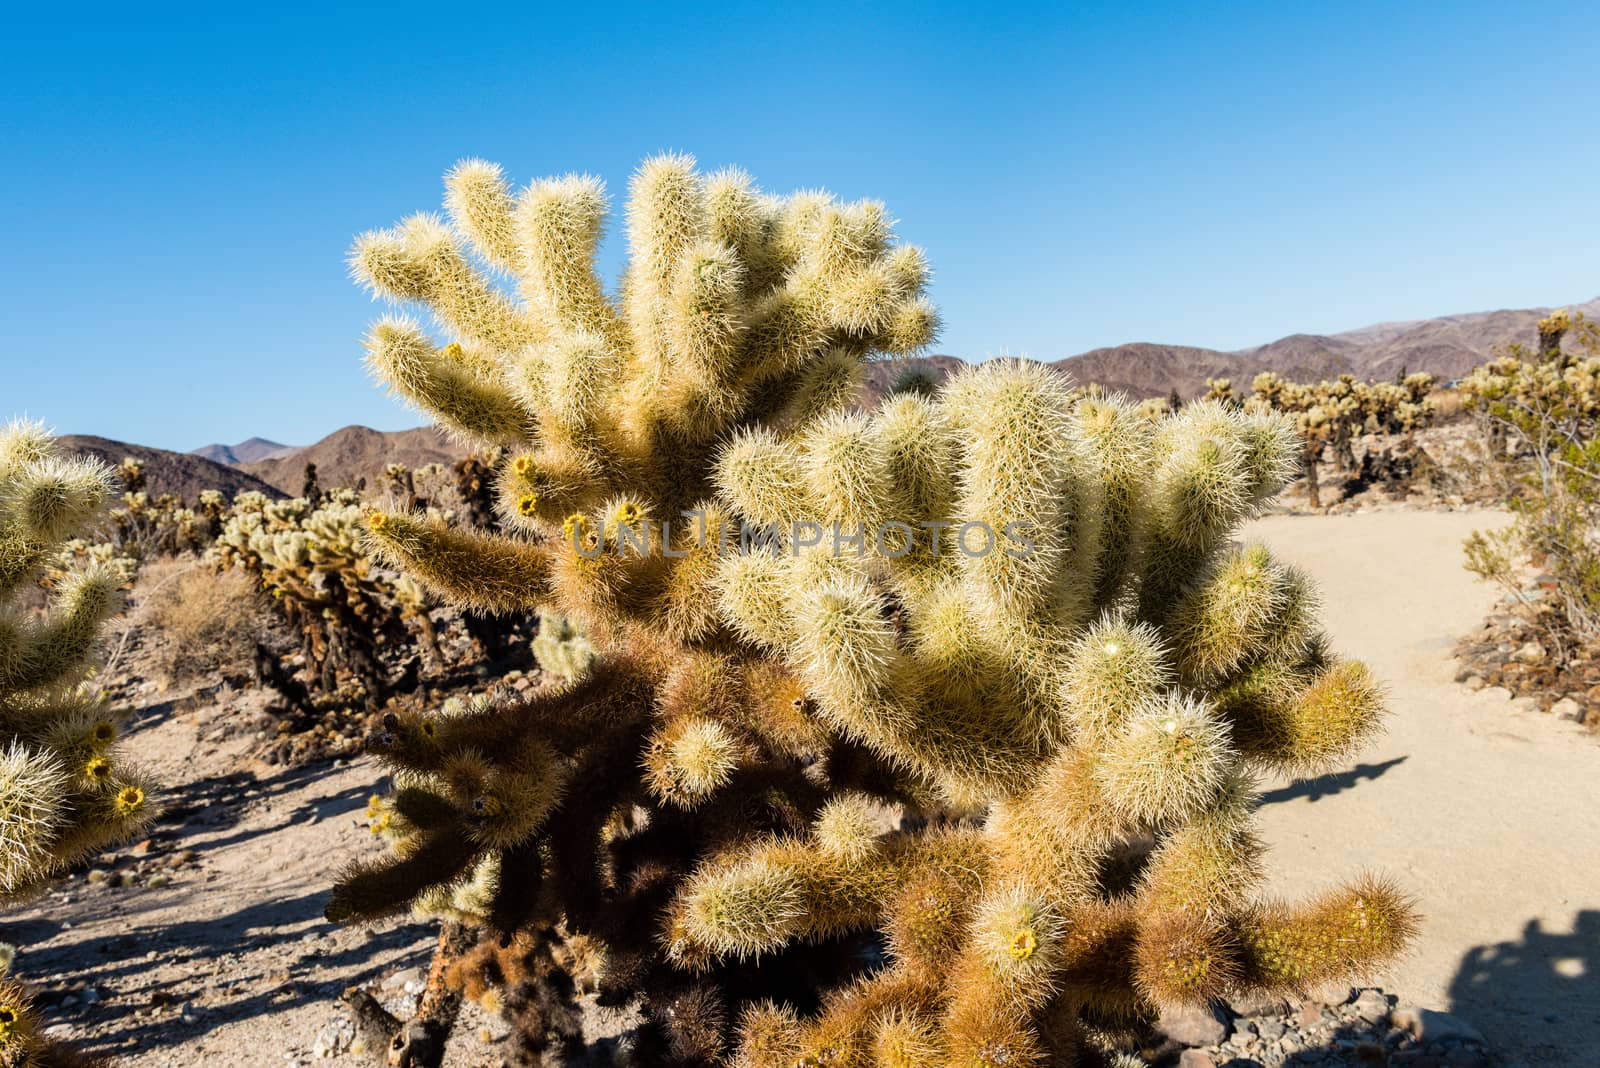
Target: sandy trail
[231, 964]
[1485, 809]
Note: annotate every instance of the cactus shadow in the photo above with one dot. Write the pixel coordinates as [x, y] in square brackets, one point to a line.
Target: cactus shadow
[1317, 788]
[253, 988]
[1538, 995]
[218, 803]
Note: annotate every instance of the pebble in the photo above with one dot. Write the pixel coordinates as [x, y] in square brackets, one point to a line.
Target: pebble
[1567, 708]
[337, 1036]
[402, 979]
[1427, 1025]
[1193, 1026]
[1357, 1031]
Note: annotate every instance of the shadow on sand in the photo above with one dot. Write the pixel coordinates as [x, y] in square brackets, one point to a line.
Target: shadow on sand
[1538, 998]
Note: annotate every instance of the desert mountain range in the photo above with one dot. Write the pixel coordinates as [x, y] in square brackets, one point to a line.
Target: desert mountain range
[248, 451]
[1448, 347]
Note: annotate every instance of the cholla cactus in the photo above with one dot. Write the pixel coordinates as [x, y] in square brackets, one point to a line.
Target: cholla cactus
[312, 560]
[560, 648]
[65, 790]
[1330, 415]
[142, 527]
[1220, 390]
[1010, 604]
[1541, 414]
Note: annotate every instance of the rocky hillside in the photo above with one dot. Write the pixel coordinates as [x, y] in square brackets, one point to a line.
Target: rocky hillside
[1448, 347]
[346, 456]
[184, 474]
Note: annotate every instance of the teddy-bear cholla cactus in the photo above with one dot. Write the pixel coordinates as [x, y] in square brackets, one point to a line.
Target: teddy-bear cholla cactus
[1037, 626]
[1124, 677]
[1331, 414]
[65, 791]
[312, 560]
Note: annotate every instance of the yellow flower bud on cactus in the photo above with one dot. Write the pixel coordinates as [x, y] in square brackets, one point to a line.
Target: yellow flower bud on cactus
[130, 800]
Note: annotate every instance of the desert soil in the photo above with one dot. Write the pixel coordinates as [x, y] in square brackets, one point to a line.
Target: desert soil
[1483, 808]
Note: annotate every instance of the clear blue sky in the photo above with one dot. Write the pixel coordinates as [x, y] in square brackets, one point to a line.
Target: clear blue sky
[180, 188]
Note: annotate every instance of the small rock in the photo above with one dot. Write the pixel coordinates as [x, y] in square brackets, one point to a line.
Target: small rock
[402, 978]
[1567, 708]
[156, 882]
[1259, 1005]
[1531, 653]
[1474, 683]
[1371, 1006]
[1426, 1025]
[1498, 693]
[1310, 1015]
[1193, 1026]
[333, 1039]
[1270, 1029]
[1193, 1058]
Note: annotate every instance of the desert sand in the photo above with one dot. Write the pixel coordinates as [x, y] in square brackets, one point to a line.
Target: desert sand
[1485, 809]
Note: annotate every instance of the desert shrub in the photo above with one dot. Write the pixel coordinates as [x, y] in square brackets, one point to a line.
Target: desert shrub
[817, 642]
[65, 789]
[210, 624]
[1540, 411]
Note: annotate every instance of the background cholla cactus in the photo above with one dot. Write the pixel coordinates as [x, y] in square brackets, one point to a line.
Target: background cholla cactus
[65, 791]
[312, 560]
[140, 526]
[1330, 416]
[955, 768]
[1220, 390]
[560, 648]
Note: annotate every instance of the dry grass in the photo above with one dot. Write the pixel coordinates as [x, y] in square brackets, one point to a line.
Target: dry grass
[198, 623]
